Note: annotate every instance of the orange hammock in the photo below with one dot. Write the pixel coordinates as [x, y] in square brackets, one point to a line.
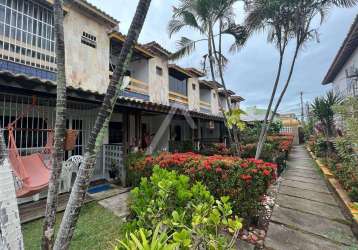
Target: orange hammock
[32, 172]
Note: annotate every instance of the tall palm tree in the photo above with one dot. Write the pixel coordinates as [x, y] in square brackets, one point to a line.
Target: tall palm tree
[300, 15]
[10, 228]
[273, 17]
[202, 16]
[60, 130]
[95, 142]
[303, 14]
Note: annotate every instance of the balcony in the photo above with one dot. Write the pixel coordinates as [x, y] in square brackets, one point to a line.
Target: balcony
[205, 107]
[178, 100]
[136, 89]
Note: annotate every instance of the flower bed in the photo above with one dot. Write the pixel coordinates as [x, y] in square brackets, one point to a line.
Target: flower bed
[244, 180]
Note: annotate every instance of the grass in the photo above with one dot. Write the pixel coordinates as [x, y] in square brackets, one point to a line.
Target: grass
[97, 228]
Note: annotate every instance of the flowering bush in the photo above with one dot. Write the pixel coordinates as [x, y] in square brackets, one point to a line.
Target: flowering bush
[243, 180]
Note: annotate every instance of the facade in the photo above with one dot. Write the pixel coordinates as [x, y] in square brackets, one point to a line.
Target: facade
[343, 73]
[161, 98]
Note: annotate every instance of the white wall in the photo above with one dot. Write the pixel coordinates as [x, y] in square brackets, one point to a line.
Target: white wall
[340, 82]
[159, 84]
[86, 67]
[194, 95]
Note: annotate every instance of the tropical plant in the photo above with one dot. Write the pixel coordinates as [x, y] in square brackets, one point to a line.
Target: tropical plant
[274, 17]
[299, 17]
[95, 141]
[60, 130]
[322, 108]
[203, 16]
[143, 239]
[348, 112]
[189, 213]
[233, 118]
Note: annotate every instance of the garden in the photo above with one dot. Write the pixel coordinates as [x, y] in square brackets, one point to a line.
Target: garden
[206, 198]
[332, 134]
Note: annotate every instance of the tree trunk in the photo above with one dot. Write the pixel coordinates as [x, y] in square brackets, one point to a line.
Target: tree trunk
[60, 130]
[219, 60]
[10, 227]
[96, 137]
[273, 94]
[211, 63]
[283, 91]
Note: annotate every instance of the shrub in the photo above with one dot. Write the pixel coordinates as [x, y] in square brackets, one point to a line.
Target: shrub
[243, 180]
[187, 212]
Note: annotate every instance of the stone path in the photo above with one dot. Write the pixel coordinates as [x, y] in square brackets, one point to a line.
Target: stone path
[307, 216]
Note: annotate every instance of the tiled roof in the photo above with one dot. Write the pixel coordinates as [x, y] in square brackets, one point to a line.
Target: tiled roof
[196, 72]
[180, 69]
[237, 98]
[156, 48]
[346, 50]
[96, 10]
[122, 100]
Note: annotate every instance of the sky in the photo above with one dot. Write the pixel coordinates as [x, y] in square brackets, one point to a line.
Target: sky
[251, 71]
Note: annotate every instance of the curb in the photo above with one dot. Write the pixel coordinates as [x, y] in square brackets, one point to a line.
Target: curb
[339, 191]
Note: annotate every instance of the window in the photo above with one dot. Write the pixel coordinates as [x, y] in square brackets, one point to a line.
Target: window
[29, 25]
[159, 70]
[194, 86]
[89, 40]
[178, 86]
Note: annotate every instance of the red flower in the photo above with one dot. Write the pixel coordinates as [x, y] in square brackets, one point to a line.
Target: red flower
[266, 172]
[244, 165]
[218, 170]
[246, 177]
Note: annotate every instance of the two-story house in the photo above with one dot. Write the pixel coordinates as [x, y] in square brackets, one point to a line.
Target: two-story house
[162, 103]
[343, 72]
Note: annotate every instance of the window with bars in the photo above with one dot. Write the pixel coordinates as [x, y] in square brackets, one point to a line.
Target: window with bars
[89, 40]
[27, 33]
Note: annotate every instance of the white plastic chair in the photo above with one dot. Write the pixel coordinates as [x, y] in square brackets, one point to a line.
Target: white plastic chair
[68, 168]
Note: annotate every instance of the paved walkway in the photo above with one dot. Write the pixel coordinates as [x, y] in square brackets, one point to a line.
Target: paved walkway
[307, 215]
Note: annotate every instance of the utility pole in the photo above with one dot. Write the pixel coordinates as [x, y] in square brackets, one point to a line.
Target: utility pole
[302, 114]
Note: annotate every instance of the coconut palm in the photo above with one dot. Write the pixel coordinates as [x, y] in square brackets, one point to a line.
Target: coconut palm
[95, 142]
[203, 16]
[302, 14]
[60, 130]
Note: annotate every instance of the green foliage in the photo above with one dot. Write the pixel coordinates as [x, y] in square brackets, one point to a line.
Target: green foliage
[181, 146]
[233, 119]
[184, 216]
[252, 131]
[322, 109]
[143, 239]
[348, 111]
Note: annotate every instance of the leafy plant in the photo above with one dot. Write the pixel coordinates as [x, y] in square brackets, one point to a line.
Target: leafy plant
[189, 214]
[143, 239]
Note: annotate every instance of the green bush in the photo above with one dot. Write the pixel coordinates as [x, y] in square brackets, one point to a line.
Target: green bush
[187, 212]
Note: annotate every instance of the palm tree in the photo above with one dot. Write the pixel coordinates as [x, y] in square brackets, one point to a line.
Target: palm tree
[203, 16]
[95, 142]
[302, 13]
[269, 15]
[60, 130]
[10, 228]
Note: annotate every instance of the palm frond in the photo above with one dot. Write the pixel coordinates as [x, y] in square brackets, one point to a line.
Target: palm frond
[239, 33]
[185, 47]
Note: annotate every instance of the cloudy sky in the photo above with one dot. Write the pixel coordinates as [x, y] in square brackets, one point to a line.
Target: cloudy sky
[252, 70]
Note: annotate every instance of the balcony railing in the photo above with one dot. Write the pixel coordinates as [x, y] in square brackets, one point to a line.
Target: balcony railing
[138, 86]
[205, 107]
[178, 100]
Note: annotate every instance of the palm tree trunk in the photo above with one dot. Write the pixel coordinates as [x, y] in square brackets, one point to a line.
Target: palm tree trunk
[273, 94]
[10, 228]
[283, 91]
[221, 74]
[97, 134]
[211, 63]
[60, 130]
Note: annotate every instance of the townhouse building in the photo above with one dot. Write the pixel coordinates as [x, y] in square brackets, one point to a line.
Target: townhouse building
[161, 98]
[343, 72]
